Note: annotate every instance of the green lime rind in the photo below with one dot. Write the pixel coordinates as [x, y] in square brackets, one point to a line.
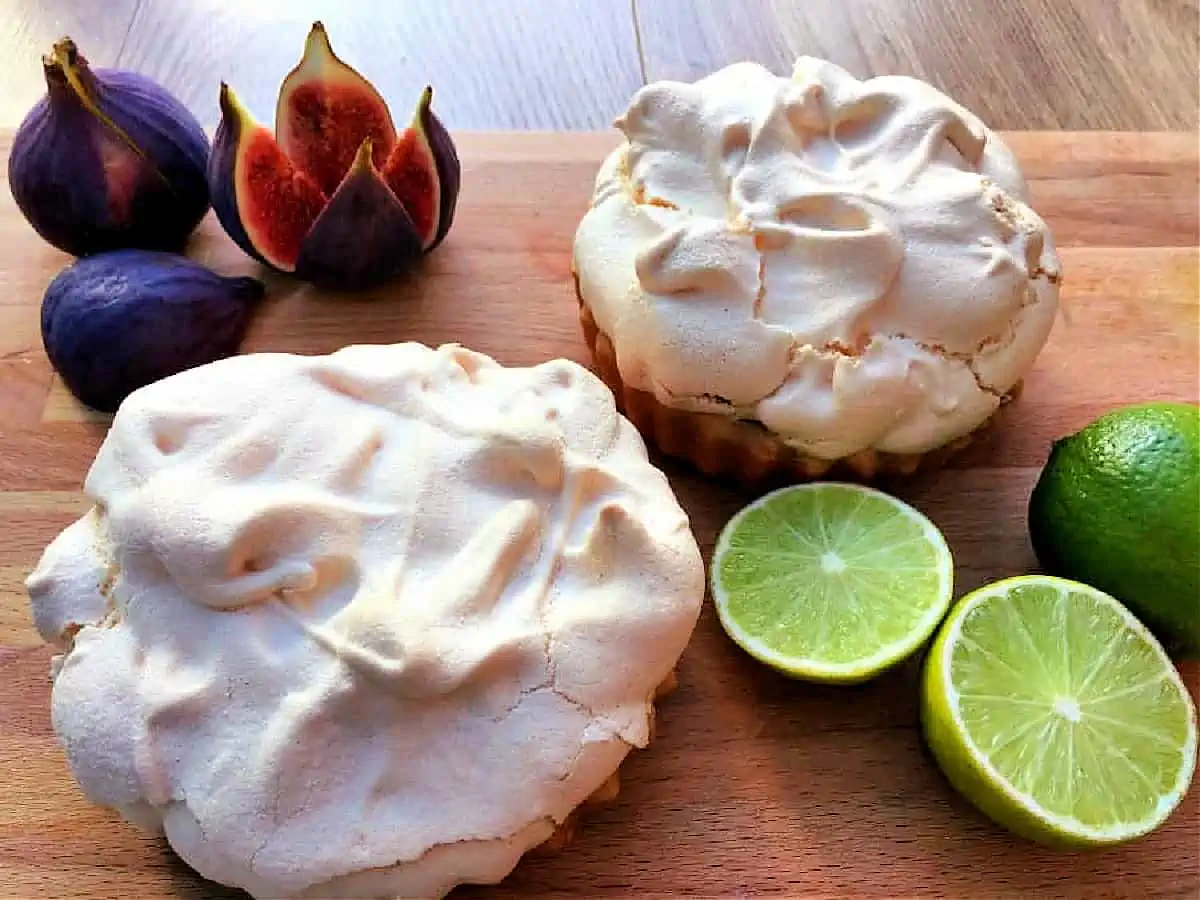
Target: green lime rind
[831, 582]
[1107, 770]
[1117, 506]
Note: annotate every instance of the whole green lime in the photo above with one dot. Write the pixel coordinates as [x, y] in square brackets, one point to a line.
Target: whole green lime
[1118, 507]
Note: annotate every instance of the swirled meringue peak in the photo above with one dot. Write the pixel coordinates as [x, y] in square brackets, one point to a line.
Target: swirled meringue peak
[851, 263]
[367, 624]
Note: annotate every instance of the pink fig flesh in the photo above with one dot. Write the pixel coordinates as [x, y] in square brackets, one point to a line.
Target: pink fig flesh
[325, 111]
[275, 202]
[411, 173]
[423, 173]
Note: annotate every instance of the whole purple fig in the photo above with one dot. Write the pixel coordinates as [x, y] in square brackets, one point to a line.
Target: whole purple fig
[117, 321]
[108, 159]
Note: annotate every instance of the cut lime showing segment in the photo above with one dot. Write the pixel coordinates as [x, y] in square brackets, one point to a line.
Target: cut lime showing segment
[1057, 713]
[831, 582]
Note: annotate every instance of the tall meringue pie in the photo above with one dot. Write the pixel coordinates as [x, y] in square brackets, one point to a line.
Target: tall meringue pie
[789, 277]
[370, 624]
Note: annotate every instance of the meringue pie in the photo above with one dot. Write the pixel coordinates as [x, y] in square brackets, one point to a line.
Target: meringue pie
[793, 276]
[367, 624]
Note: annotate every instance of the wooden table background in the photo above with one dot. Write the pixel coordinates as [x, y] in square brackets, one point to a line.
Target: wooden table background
[572, 64]
[1078, 65]
[757, 786]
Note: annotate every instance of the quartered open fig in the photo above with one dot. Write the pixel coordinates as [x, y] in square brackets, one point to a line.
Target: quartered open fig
[336, 195]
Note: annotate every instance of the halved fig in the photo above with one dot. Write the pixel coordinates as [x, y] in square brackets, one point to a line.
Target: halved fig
[335, 195]
[424, 172]
[326, 110]
[363, 235]
[264, 202]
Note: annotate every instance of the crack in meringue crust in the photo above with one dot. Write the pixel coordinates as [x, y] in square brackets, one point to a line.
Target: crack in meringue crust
[366, 624]
[853, 264]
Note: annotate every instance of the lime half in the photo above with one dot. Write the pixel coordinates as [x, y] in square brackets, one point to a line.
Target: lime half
[829, 581]
[1057, 713]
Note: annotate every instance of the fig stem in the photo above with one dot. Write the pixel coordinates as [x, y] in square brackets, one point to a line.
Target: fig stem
[362, 159]
[231, 107]
[65, 58]
[424, 102]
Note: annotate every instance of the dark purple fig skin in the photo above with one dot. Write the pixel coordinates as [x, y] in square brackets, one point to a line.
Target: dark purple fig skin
[114, 322]
[52, 182]
[363, 236]
[449, 170]
[221, 163]
[58, 181]
[171, 138]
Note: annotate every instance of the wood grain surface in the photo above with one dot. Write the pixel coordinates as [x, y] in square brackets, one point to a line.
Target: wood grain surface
[756, 785]
[547, 64]
[1032, 64]
[571, 64]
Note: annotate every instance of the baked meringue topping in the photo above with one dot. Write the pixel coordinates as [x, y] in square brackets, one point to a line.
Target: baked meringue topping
[365, 624]
[851, 263]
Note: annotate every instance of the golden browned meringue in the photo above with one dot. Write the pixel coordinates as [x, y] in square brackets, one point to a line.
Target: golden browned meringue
[851, 263]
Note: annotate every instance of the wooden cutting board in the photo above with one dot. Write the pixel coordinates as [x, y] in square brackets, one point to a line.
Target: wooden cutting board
[756, 785]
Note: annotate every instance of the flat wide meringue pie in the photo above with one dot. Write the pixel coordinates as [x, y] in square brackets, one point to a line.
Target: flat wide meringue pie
[370, 624]
[812, 274]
